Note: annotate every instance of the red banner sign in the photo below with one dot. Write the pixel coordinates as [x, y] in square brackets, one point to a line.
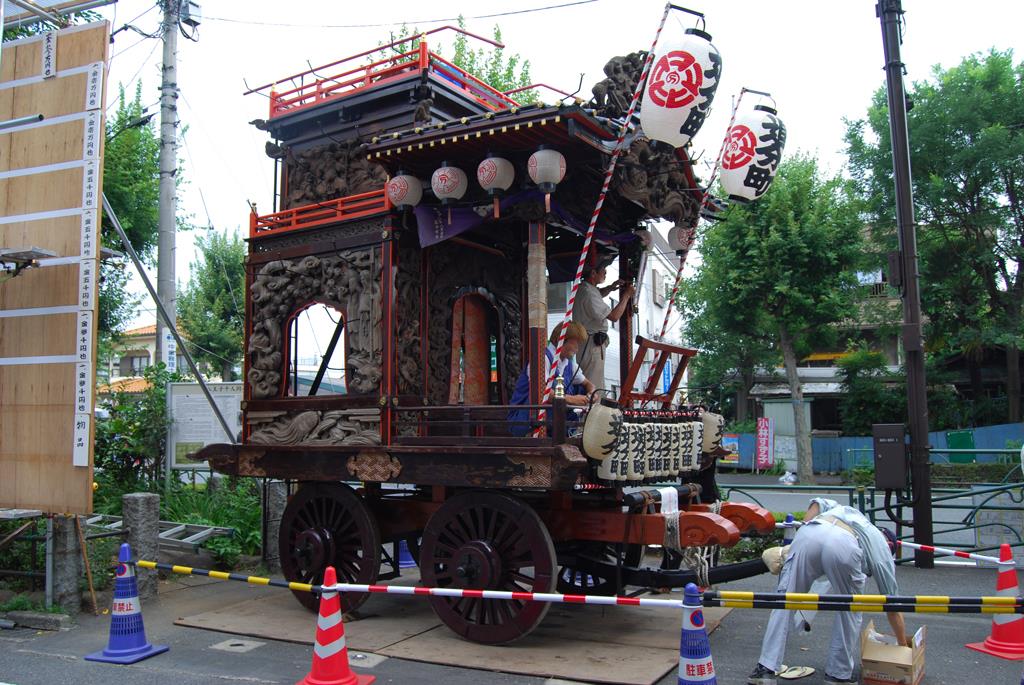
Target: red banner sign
[764, 450]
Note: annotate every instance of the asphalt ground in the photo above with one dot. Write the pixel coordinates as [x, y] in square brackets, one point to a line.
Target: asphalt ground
[197, 656]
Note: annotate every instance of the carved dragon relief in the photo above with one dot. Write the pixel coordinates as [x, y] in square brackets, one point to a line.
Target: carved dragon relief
[408, 355]
[329, 171]
[340, 427]
[348, 280]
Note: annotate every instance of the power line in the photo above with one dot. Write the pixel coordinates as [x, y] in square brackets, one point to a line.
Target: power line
[395, 23]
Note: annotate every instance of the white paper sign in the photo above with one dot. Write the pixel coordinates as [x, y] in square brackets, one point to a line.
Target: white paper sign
[90, 185]
[49, 54]
[80, 443]
[91, 137]
[83, 338]
[170, 351]
[86, 283]
[83, 389]
[90, 239]
[94, 86]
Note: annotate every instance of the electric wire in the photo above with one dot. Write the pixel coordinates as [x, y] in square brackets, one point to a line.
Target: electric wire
[396, 23]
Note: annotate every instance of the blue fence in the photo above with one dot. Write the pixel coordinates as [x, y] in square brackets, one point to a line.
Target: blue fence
[834, 454]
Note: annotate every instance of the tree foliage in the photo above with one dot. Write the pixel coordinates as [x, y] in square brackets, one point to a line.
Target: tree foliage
[967, 158]
[783, 269]
[491, 65]
[211, 308]
[867, 397]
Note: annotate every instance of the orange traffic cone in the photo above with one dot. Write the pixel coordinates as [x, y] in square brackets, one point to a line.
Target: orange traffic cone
[330, 655]
[1007, 638]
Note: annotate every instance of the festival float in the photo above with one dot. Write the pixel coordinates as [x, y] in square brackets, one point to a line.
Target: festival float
[426, 213]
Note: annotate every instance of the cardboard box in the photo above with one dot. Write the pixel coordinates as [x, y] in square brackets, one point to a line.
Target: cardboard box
[883, 662]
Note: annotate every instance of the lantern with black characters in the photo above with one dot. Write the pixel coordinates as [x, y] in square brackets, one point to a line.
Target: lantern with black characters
[753, 150]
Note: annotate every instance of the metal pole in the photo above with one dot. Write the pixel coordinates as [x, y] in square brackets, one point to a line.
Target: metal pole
[890, 12]
[165, 280]
[163, 316]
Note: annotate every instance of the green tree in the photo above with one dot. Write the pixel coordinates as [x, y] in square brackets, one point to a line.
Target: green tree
[967, 157]
[210, 310]
[491, 65]
[866, 397]
[784, 265]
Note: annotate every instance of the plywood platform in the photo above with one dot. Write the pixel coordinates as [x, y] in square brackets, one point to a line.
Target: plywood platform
[575, 642]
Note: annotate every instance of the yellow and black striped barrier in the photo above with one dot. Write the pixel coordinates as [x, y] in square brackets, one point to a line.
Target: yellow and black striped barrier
[923, 604]
[735, 599]
[223, 575]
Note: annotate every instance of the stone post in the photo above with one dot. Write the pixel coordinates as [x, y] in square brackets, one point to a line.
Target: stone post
[141, 514]
[276, 499]
[67, 565]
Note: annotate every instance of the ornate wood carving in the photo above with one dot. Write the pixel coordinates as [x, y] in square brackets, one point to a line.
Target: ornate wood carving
[651, 175]
[348, 280]
[613, 93]
[409, 360]
[340, 427]
[329, 171]
[321, 239]
[454, 268]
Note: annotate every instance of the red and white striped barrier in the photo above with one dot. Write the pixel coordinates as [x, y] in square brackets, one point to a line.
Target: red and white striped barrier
[956, 553]
[942, 551]
[551, 597]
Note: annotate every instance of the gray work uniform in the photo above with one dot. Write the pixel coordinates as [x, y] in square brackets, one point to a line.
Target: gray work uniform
[591, 311]
[845, 556]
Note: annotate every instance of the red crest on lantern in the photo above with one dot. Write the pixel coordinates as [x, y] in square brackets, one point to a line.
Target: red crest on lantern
[675, 80]
[739, 148]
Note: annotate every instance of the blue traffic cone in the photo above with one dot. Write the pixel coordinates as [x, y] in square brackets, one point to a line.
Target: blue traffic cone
[405, 559]
[127, 642]
[789, 532]
[695, 665]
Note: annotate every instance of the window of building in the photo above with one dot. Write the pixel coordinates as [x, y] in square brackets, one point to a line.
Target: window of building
[615, 324]
[316, 352]
[558, 297]
[133, 363]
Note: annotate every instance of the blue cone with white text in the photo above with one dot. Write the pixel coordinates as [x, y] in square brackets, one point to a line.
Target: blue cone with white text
[789, 532]
[127, 642]
[695, 665]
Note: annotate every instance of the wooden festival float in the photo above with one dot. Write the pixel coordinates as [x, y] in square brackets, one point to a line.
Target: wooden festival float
[439, 301]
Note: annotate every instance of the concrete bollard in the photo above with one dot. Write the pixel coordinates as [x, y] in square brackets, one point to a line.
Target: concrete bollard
[276, 500]
[67, 565]
[141, 514]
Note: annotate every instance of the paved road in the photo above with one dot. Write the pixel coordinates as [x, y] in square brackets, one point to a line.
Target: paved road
[199, 656]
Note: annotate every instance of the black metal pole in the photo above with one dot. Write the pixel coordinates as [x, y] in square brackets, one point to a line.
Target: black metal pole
[890, 12]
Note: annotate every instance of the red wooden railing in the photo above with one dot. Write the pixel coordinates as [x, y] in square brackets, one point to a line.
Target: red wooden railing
[319, 214]
[377, 73]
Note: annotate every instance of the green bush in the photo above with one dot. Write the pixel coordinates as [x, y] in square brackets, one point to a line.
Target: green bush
[970, 474]
[234, 503]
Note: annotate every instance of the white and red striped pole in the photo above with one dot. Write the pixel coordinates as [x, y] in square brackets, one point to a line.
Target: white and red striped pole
[956, 553]
[609, 172]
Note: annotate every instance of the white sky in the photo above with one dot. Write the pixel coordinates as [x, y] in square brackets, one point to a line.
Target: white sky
[821, 60]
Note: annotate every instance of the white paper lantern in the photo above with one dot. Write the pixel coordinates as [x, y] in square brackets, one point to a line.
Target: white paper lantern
[449, 183]
[547, 169]
[679, 238]
[405, 191]
[753, 150]
[680, 88]
[495, 175]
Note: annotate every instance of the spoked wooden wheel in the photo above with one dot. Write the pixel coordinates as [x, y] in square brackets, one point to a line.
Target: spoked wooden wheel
[327, 524]
[578, 580]
[488, 541]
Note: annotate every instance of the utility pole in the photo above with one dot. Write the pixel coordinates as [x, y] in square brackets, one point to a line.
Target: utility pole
[165, 281]
[890, 12]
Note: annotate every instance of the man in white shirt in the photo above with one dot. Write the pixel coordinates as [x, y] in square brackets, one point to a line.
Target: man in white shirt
[593, 313]
[841, 544]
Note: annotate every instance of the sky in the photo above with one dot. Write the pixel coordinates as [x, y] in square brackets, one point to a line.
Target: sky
[821, 61]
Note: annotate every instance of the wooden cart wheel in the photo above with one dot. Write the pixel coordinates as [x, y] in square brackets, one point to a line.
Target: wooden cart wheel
[488, 541]
[328, 524]
[577, 582]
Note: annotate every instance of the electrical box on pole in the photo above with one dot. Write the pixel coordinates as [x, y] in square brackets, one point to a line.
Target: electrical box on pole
[891, 462]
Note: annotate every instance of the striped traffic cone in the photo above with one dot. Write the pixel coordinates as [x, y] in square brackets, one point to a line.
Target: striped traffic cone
[330, 655]
[789, 532]
[1007, 638]
[695, 665]
[127, 642]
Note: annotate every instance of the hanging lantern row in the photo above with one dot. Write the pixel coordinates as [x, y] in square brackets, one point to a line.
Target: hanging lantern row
[495, 175]
[753, 150]
[680, 88]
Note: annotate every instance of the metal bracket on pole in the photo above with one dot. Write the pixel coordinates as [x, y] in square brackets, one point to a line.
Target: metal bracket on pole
[163, 315]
